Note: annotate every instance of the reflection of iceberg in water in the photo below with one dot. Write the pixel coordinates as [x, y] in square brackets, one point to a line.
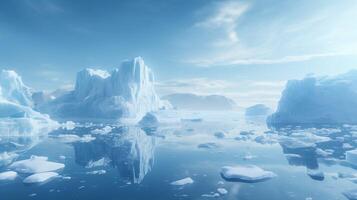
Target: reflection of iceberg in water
[130, 150]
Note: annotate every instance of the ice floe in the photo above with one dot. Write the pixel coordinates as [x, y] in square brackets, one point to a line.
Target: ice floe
[184, 181]
[246, 173]
[35, 164]
[40, 177]
[9, 175]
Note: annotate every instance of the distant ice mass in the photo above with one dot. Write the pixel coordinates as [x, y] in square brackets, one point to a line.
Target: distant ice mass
[17, 116]
[188, 101]
[246, 173]
[184, 181]
[313, 100]
[149, 120]
[125, 92]
[35, 164]
[257, 110]
[8, 176]
[40, 177]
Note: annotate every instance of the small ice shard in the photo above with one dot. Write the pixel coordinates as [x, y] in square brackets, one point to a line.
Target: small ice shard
[69, 125]
[219, 134]
[9, 175]
[208, 145]
[98, 163]
[213, 195]
[246, 173]
[62, 157]
[40, 177]
[322, 152]
[316, 174]
[149, 120]
[222, 191]
[103, 131]
[35, 164]
[351, 157]
[97, 172]
[248, 157]
[185, 181]
[66, 177]
[347, 146]
[351, 194]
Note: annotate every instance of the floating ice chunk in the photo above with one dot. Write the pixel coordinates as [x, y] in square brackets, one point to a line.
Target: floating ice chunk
[316, 174]
[103, 131]
[322, 152]
[351, 194]
[98, 163]
[9, 175]
[149, 120]
[351, 157]
[246, 173]
[222, 191]
[347, 146]
[97, 172]
[213, 195]
[185, 181]
[35, 164]
[40, 177]
[69, 125]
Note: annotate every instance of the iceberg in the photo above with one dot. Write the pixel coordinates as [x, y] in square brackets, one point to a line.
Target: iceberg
[246, 173]
[188, 101]
[257, 110]
[318, 100]
[17, 116]
[184, 181]
[9, 176]
[125, 92]
[35, 164]
[40, 177]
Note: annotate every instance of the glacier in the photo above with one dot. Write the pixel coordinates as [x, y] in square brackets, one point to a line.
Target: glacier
[17, 116]
[125, 92]
[318, 100]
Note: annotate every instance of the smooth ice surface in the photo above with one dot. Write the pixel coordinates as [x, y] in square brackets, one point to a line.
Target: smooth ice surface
[40, 177]
[257, 110]
[188, 101]
[324, 100]
[184, 181]
[246, 173]
[9, 175]
[35, 164]
[125, 92]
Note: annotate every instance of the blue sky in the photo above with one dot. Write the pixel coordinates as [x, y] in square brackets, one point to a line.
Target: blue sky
[242, 49]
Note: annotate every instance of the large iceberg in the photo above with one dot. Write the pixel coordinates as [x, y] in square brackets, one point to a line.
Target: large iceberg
[324, 100]
[125, 92]
[17, 116]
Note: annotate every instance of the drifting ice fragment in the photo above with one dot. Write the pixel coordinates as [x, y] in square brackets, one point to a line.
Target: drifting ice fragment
[35, 164]
[40, 177]
[9, 175]
[184, 181]
[246, 173]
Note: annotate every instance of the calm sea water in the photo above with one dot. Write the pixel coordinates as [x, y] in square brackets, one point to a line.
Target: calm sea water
[141, 163]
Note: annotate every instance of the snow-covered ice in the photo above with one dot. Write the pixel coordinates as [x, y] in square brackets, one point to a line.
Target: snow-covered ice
[70, 138]
[35, 164]
[97, 172]
[102, 131]
[40, 177]
[184, 181]
[9, 175]
[246, 173]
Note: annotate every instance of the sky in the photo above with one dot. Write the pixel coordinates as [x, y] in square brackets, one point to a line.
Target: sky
[246, 50]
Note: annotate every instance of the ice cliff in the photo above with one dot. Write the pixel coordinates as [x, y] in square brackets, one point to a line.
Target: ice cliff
[17, 116]
[126, 92]
[313, 100]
